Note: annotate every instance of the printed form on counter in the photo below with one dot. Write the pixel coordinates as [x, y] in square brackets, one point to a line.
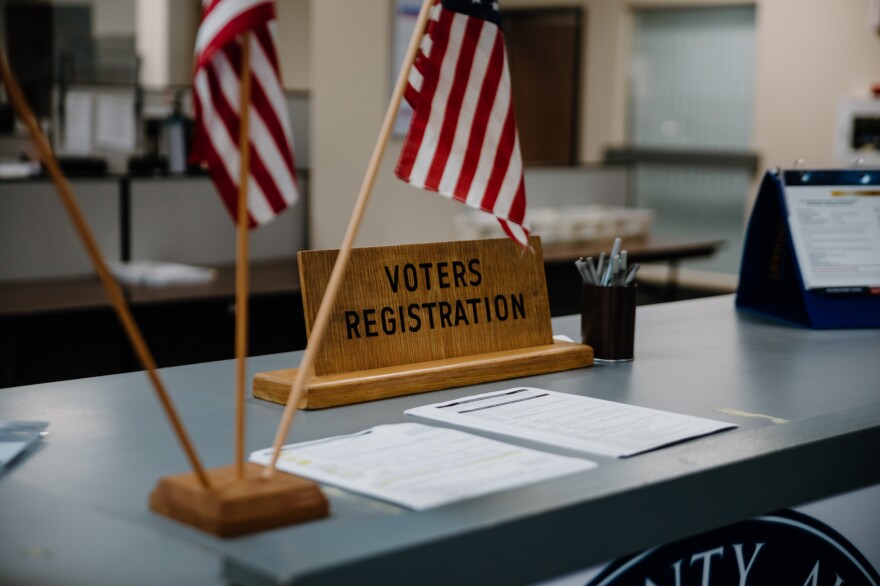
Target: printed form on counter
[419, 466]
[574, 422]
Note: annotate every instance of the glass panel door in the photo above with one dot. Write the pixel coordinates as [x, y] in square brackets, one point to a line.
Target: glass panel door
[691, 95]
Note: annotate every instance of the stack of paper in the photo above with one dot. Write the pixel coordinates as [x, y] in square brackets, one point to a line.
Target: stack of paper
[11, 169]
[420, 467]
[156, 273]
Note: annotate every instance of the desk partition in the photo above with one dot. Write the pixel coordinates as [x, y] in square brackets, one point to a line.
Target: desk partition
[174, 219]
[181, 219]
[36, 236]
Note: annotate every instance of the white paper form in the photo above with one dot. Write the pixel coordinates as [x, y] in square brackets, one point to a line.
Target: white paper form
[77, 123]
[583, 424]
[836, 234]
[16, 438]
[116, 122]
[419, 466]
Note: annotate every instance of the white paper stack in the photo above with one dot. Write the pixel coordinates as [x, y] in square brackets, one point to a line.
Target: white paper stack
[160, 274]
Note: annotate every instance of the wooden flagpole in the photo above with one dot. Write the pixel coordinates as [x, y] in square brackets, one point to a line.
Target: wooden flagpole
[110, 285]
[242, 500]
[330, 294]
[241, 261]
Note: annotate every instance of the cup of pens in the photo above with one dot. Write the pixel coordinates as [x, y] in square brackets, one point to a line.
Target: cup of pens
[608, 305]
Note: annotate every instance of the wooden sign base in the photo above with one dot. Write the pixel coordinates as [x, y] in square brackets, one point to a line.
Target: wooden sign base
[232, 507]
[408, 379]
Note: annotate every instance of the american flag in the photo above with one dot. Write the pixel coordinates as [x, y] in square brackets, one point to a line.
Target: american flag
[462, 140]
[216, 85]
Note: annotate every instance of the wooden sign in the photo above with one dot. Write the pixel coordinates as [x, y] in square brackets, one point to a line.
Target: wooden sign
[475, 310]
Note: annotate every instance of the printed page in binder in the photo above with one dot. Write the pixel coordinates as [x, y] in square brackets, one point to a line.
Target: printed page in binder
[835, 230]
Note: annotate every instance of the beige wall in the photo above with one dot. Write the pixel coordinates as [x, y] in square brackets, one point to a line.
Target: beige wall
[805, 65]
[351, 53]
[293, 43]
[165, 35]
[810, 54]
[152, 43]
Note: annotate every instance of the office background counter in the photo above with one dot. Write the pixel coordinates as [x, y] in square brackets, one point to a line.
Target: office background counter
[42, 320]
[75, 510]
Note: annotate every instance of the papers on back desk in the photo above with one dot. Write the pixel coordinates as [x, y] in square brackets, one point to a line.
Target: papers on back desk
[574, 422]
[419, 466]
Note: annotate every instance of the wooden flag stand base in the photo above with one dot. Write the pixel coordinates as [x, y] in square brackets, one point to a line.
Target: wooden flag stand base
[234, 507]
[395, 381]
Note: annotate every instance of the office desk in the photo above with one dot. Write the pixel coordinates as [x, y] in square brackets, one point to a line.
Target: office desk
[37, 297]
[75, 511]
[26, 298]
[651, 249]
[41, 323]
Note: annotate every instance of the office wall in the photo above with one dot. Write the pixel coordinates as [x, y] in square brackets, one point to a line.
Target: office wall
[293, 40]
[806, 64]
[810, 53]
[112, 17]
[151, 41]
[350, 74]
[166, 35]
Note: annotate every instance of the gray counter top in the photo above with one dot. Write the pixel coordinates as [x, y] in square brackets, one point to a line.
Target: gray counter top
[83, 494]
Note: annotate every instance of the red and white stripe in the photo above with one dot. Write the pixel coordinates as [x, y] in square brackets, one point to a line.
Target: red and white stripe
[272, 185]
[462, 141]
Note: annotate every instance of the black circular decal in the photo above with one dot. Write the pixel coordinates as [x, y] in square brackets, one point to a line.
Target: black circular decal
[784, 548]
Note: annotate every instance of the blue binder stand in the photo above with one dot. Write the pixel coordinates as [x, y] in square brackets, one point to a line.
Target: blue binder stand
[770, 280]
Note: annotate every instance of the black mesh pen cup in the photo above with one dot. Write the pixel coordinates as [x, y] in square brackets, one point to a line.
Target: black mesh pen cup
[608, 321]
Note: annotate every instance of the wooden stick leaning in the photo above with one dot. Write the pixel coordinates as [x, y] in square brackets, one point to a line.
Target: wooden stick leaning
[109, 283]
[241, 260]
[330, 294]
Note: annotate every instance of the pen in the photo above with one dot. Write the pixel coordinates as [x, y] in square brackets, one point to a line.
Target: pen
[581, 265]
[594, 276]
[615, 248]
[630, 277]
[586, 267]
[613, 269]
